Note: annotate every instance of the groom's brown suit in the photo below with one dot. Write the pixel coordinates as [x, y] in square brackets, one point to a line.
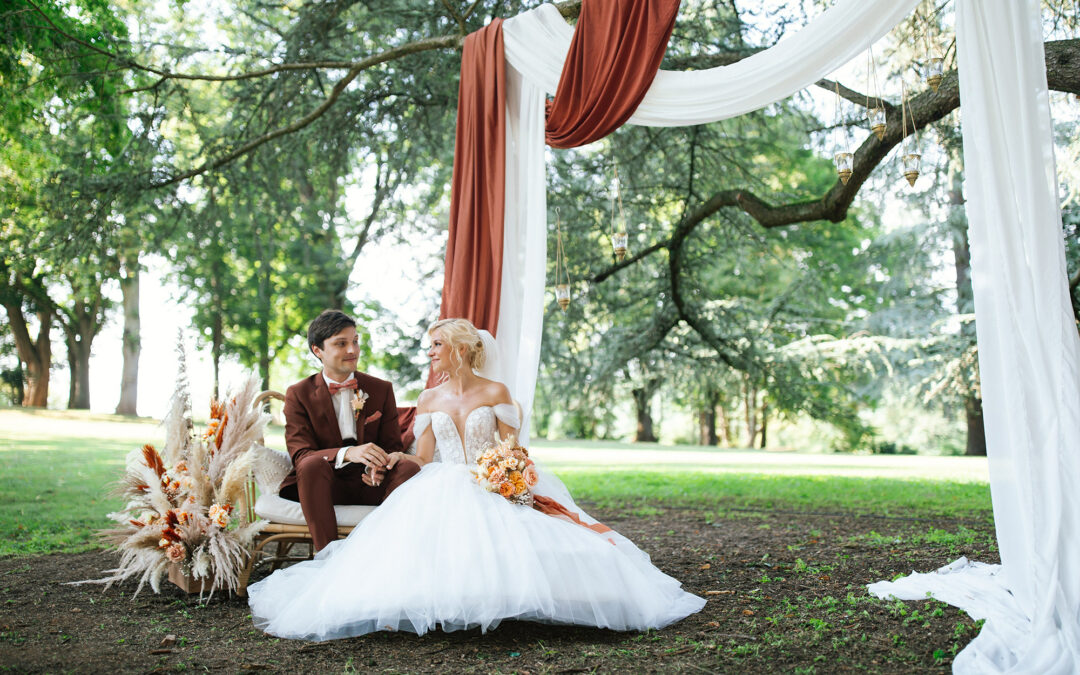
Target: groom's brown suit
[313, 438]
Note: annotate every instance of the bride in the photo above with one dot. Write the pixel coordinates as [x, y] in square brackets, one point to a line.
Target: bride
[443, 552]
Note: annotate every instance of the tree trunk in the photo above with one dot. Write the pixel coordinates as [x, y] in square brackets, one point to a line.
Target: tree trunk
[707, 419]
[79, 364]
[642, 399]
[132, 340]
[976, 432]
[723, 424]
[750, 404]
[36, 355]
[965, 301]
[764, 424]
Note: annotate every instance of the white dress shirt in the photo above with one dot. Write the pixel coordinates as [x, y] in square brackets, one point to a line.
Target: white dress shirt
[345, 418]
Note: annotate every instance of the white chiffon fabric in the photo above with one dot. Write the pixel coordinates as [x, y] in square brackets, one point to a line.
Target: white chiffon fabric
[441, 552]
[1029, 352]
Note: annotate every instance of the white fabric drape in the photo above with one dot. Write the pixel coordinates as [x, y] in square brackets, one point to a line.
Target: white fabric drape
[521, 301]
[1029, 352]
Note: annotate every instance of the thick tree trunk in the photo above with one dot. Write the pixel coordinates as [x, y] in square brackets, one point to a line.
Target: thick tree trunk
[36, 355]
[723, 424]
[976, 432]
[79, 364]
[642, 400]
[132, 340]
[965, 302]
[707, 419]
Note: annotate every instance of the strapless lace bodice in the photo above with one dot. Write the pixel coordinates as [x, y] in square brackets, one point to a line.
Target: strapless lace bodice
[481, 428]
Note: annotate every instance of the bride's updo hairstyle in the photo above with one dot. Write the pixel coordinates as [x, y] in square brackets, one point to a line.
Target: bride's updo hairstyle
[458, 333]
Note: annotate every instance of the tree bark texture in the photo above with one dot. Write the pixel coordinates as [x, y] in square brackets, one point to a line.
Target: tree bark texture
[642, 404]
[132, 340]
[36, 355]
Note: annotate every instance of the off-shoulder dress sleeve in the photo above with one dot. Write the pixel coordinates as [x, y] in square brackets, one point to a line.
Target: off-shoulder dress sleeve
[507, 413]
[421, 423]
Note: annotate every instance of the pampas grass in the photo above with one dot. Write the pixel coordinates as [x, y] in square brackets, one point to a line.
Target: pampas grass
[182, 503]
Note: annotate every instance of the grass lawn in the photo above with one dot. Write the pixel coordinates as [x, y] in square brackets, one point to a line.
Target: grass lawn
[57, 469]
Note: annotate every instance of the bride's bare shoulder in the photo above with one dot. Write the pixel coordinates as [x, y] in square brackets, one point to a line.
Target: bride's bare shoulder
[496, 391]
[426, 399]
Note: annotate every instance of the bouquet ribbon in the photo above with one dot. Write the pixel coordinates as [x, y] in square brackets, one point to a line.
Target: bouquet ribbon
[549, 506]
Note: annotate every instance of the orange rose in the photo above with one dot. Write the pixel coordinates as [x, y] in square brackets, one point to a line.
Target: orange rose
[520, 487]
[506, 490]
[515, 476]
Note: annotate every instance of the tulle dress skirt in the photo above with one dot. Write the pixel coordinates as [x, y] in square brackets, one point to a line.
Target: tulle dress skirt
[442, 552]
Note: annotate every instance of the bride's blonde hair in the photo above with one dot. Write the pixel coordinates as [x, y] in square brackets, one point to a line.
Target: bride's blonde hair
[461, 332]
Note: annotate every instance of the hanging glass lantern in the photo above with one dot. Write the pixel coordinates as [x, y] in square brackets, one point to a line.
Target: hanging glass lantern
[877, 122]
[911, 167]
[562, 295]
[935, 69]
[618, 242]
[843, 166]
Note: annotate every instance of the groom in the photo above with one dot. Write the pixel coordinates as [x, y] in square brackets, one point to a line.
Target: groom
[340, 427]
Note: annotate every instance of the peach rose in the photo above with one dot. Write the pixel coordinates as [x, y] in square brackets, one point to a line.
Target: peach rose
[176, 552]
[219, 515]
[530, 475]
[497, 476]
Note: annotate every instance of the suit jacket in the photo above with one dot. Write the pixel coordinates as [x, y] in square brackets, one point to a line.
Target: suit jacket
[311, 425]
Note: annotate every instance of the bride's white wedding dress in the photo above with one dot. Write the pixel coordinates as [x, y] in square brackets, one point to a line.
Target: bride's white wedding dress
[442, 552]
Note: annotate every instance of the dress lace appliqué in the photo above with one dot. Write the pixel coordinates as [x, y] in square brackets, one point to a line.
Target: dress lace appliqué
[481, 427]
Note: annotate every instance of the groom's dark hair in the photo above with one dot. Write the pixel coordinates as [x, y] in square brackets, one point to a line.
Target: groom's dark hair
[326, 325]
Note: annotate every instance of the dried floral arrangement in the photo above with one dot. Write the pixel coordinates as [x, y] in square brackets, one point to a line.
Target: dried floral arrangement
[182, 503]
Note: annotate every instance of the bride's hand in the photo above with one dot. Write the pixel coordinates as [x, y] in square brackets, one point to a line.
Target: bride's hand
[394, 458]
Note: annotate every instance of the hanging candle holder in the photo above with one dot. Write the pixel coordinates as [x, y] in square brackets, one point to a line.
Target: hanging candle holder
[935, 69]
[843, 166]
[562, 276]
[876, 108]
[911, 158]
[562, 295]
[619, 241]
[911, 161]
[619, 237]
[877, 122]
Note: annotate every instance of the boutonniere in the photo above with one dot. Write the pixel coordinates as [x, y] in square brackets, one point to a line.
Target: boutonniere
[359, 398]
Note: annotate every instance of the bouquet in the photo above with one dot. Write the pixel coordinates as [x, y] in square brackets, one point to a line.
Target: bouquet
[181, 503]
[504, 467]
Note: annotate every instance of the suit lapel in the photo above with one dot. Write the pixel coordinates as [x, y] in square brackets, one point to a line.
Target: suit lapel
[324, 408]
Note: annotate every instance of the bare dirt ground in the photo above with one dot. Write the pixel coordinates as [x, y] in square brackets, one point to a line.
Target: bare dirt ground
[786, 593]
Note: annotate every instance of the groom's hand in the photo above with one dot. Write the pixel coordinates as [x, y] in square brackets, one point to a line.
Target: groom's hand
[367, 454]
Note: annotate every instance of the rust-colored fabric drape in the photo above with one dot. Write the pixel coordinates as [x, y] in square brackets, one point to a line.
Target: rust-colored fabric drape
[614, 55]
[473, 278]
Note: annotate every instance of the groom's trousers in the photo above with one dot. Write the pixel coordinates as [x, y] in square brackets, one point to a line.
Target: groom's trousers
[319, 486]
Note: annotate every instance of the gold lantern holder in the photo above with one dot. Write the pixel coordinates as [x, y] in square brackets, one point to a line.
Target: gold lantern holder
[562, 276]
[842, 159]
[843, 162]
[910, 159]
[619, 236]
[935, 70]
[875, 111]
[911, 162]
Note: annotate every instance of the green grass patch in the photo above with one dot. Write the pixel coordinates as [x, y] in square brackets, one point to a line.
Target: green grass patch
[882, 496]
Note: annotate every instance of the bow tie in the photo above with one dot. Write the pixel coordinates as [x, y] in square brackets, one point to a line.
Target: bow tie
[335, 387]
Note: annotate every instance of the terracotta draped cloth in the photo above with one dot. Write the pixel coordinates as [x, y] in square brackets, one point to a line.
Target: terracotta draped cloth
[614, 55]
[474, 251]
[616, 50]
